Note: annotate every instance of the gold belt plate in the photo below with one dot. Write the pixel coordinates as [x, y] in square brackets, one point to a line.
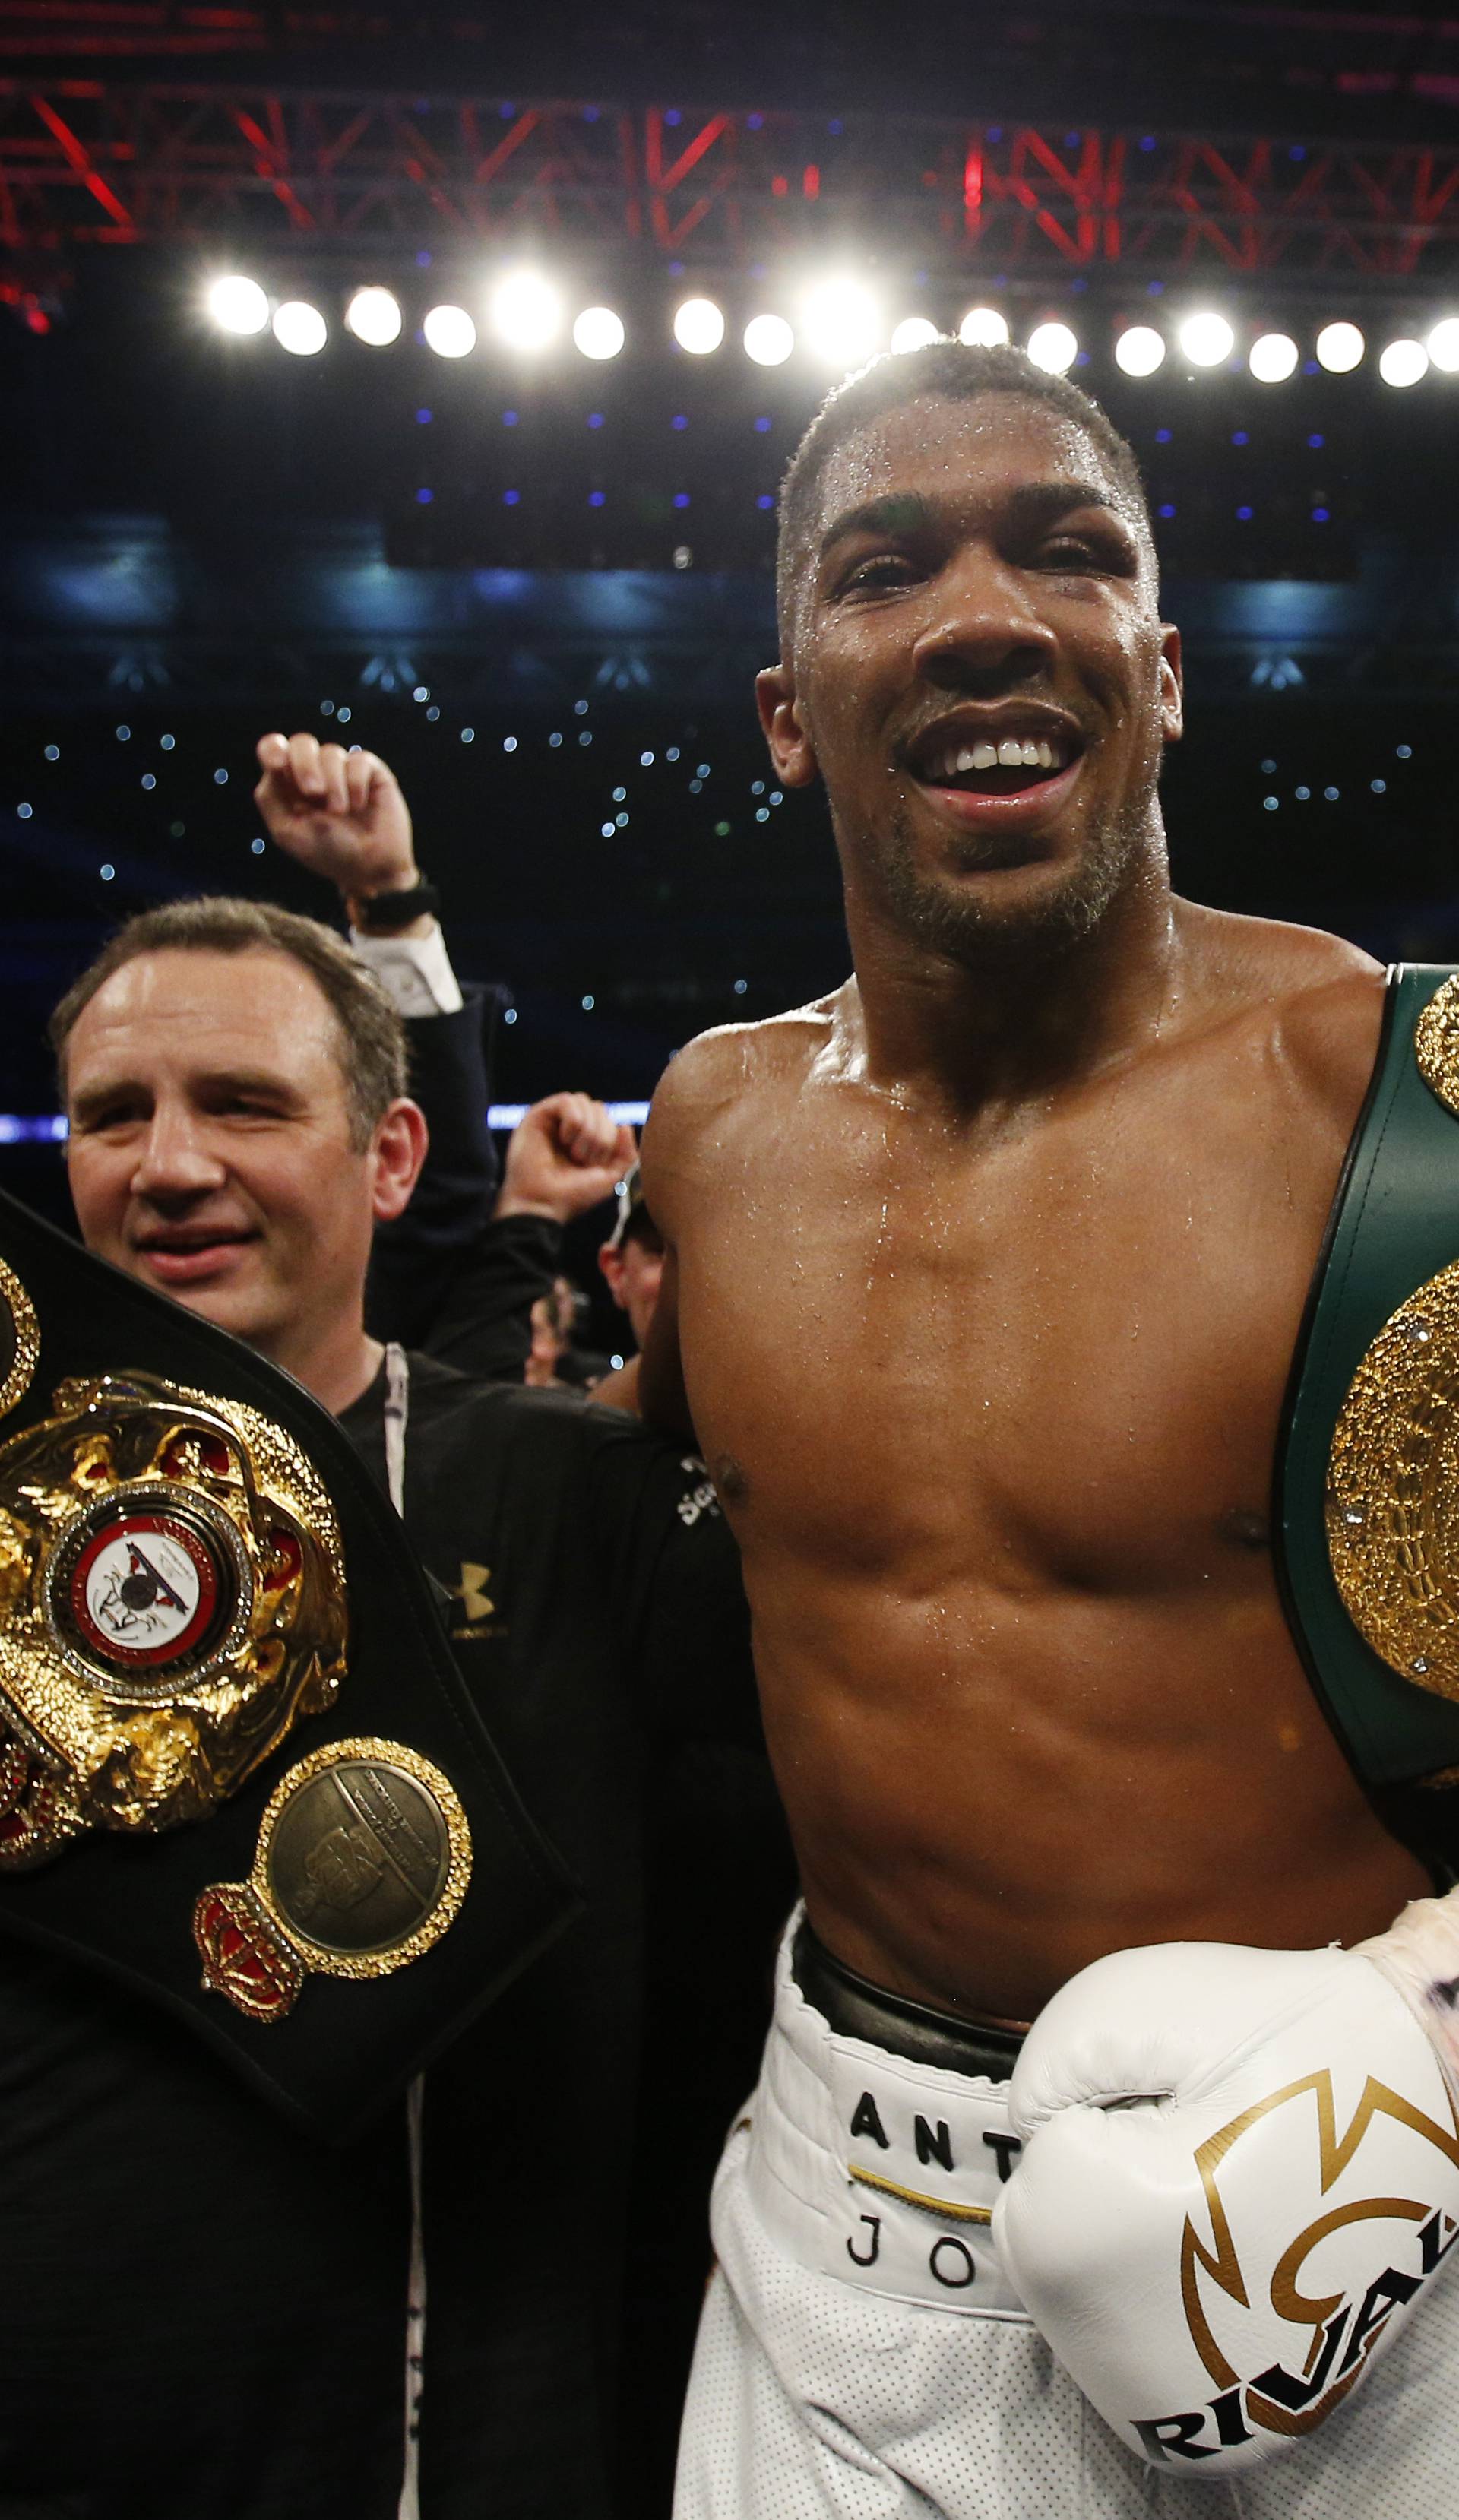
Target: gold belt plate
[1392, 1495]
[172, 1601]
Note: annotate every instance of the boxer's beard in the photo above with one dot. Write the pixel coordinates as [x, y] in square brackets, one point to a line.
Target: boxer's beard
[970, 932]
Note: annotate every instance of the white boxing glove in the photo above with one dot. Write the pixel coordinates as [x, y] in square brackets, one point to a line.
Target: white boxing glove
[1239, 2176]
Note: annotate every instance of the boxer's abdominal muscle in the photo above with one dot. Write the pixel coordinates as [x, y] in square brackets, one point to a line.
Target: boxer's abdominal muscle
[994, 1407]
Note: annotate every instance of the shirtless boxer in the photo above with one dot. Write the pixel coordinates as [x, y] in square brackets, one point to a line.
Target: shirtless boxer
[1034, 1201]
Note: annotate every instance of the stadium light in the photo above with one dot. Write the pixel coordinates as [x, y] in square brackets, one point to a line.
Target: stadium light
[1052, 346]
[238, 304]
[699, 326]
[914, 334]
[1340, 348]
[841, 324]
[984, 326]
[1404, 363]
[768, 341]
[301, 328]
[526, 312]
[599, 332]
[1273, 358]
[449, 331]
[1139, 350]
[1442, 345]
[373, 316]
[1205, 339]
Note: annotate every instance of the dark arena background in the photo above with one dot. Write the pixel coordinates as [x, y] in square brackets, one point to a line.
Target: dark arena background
[518, 537]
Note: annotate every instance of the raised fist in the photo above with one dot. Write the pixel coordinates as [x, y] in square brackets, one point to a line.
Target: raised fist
[340, 814]
[564, 1157]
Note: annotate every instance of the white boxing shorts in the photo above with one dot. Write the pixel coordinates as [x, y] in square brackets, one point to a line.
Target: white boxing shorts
[863, 2354]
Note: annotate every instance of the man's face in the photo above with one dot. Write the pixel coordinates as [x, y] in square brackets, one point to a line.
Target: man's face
[210, 1149]
[980, 676]
[633, 1271]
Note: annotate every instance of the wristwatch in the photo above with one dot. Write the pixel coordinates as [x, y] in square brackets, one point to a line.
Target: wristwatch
[380, 914]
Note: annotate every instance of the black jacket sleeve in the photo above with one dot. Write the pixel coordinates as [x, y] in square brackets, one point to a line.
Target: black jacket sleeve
[670, 1571]
[415, 1259]
[481, 1322]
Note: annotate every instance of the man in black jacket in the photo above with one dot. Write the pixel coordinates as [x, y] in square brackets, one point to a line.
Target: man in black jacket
[233, 1082]
[720, 1871]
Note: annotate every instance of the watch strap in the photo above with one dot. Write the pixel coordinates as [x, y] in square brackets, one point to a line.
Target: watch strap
[380, 914]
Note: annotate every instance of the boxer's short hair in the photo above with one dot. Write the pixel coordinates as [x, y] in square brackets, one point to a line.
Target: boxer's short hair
[374, 1058]
[953, 372]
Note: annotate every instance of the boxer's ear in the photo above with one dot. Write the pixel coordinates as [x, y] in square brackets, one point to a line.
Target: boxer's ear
[1171, 684]
[790, 747]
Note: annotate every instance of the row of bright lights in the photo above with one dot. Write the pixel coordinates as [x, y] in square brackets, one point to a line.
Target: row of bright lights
[841, 326]
[1207, 341]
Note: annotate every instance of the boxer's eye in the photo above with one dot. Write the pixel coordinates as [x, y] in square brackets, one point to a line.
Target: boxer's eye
[1108, 554]
[872, 577]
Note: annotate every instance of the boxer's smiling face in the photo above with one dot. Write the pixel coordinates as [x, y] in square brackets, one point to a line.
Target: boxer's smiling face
[979, 673]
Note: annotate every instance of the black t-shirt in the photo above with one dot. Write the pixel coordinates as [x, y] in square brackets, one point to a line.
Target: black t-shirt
[203, 2310]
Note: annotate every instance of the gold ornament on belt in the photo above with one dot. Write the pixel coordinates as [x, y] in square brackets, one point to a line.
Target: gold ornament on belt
[1436, 1043]
[363, 1858]
[1392, 1497]
[19, 1338]
[172, 1601]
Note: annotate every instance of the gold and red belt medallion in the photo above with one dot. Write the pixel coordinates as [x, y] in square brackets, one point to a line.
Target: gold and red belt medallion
[363, 1857]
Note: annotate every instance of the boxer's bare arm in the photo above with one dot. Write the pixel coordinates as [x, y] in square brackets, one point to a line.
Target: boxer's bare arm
[723, 1075]
[991, 1399]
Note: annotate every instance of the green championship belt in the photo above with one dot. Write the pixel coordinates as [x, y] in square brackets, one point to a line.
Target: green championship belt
[240, 1770]
[1367, 1478]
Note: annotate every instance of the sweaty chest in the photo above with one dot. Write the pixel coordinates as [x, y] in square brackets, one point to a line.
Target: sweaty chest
[1065, 1359]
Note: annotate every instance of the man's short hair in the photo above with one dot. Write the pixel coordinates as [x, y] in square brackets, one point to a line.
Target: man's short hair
[954, 372]
[371, 1040]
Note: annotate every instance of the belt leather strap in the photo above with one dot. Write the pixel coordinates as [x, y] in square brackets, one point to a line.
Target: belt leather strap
[1395, 1225]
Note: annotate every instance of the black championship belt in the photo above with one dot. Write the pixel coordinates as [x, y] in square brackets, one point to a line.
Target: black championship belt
[239, 1768]
[1368, 1468]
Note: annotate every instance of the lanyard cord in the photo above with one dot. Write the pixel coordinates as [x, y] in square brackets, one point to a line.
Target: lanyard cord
[397, 1412]
[397, 1417]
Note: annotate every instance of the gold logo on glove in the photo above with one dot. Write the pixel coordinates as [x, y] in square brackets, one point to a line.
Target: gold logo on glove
[1342, 2332]
[172, 1602]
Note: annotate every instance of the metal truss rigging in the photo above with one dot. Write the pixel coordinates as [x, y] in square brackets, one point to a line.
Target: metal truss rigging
[87, 161]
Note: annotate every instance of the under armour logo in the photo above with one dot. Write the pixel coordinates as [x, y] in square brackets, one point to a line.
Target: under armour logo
[472, 1592]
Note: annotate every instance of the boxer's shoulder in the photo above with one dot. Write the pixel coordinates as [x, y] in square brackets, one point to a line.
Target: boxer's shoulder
[743, 1053]
[735, 1072]
[1306, 1002]
[1273, 961]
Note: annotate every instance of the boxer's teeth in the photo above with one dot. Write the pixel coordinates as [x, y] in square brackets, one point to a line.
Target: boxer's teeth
[1011, 752]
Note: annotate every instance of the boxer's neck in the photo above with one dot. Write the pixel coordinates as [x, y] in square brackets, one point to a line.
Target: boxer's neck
[1014, 1025]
